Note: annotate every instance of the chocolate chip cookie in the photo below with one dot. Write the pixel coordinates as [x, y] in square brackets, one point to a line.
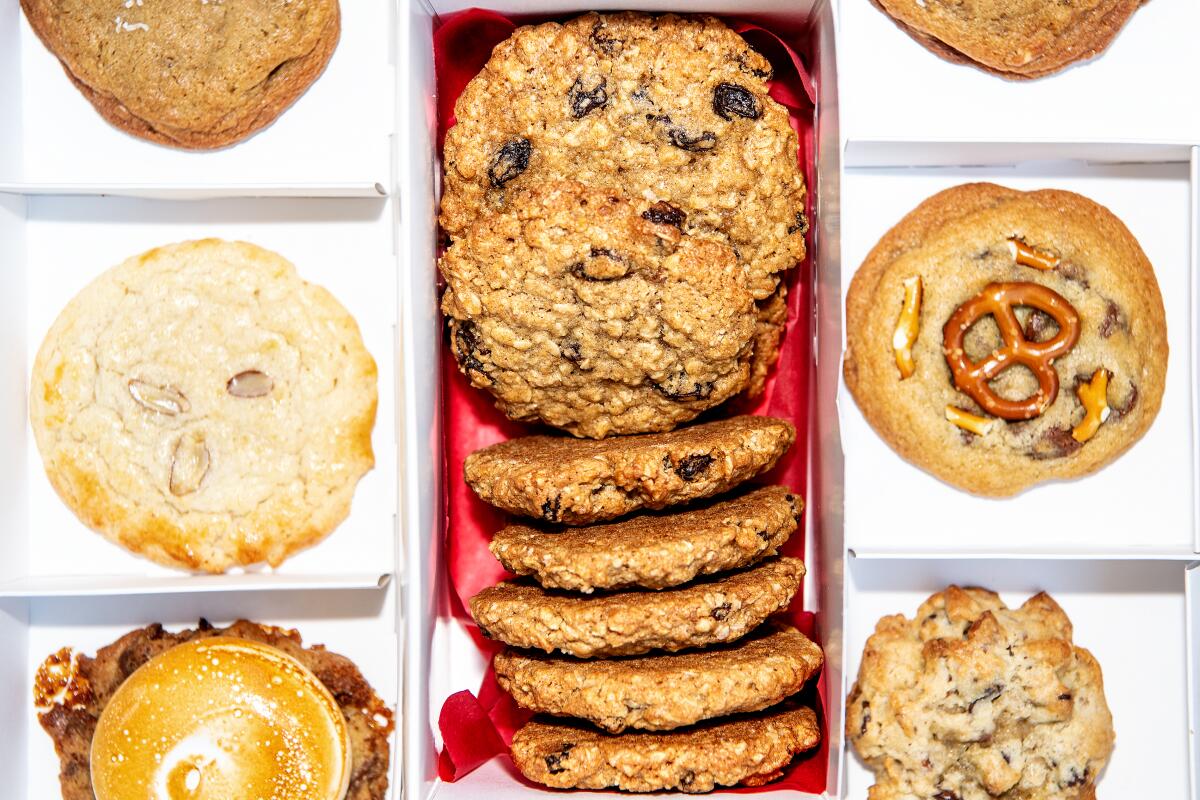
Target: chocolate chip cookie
[973, 699]
[189, 73]
[1013, 38]
[584, 310]
[204, 407]
[667, 691]
[654, 550]
[999, 338]
[749, 750]
[557, 479]
[713, 611]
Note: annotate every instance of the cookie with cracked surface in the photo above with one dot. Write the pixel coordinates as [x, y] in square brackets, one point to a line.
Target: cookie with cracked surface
[972, 699]
[572, 307]
[204, 407]
[999, 338]
[73, 693]
[749, 750]
[654, 550]
[663, 692]
[670, 109]
[188, 74]
[712, 611]
[1015, 39]
[557, 479]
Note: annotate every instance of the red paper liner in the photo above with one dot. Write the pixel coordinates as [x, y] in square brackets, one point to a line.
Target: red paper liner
[475, 729]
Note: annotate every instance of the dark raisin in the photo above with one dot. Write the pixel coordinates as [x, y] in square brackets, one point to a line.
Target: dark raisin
[729, 99]
[1055, 443]
[684, 140]
[765, 74]
[764, 535]
[1040, 326]
[801, 224]
[583, 101]
[554, 760]
[204, 625]
[681, 387]
[612, 267]
[1007, 758]
[693, 466]
[990, 693]
[642, 95]
[687, 779]
[1077, 778]
[551, 508]
[1129, 403]
[510, 162]
[946, 794]
[570, 351]
[604, 44]
[663, 213]
[468, 346]
[721, 612]
[1112, 320]
[668, 464]
[1065, 696]
[485, 632]
[866, 719]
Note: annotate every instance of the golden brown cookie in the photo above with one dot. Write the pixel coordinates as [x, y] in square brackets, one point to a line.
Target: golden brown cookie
[558, 479]
[185, 73]
[73, 694]
[203, 406]
[654, 550]
[665, 691]
[999, 338]
[973, 699]
[1013, 38]
[571, 306]
[748, 750]
[713, 611]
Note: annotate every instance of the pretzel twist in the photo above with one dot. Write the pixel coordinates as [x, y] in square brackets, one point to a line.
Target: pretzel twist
[1000, 301]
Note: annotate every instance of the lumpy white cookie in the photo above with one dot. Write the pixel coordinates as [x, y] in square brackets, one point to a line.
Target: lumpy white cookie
[203, 406]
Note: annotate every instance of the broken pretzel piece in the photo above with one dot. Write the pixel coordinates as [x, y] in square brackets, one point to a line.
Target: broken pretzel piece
[1094, 396]
[977, 425]
[1028, 256]
[907, 326]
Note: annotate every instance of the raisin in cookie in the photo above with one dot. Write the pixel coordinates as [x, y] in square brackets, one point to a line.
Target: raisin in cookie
[557, 479]
[971, 700]
[1013, 38]
[713, 611]
[572, 307]
[654, 550]
[187, 73]
[203, 406]
[999, 338]
[664, 692]
[748, 750]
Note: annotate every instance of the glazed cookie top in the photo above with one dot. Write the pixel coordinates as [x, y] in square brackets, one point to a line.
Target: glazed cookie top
[667, 109]
[595, 314]
[1018, 38]
[1000, 338]
[558, 479]
[203, 406]
[970, 700]
[189, 73]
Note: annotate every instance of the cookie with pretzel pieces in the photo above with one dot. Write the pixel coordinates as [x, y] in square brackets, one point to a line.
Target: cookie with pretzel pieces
[999, 338]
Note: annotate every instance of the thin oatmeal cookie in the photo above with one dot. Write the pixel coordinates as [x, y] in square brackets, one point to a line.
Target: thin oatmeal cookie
[971, 700]
[204, 407]
[712, 611]
[74, 693]
[557, 479]
[664, 692]
[185, 73]
[654, 550]
[572, 307]
[961, 244]
[747, 750]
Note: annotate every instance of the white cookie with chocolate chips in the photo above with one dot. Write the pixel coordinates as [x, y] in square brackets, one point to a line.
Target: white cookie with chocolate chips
[204, 407]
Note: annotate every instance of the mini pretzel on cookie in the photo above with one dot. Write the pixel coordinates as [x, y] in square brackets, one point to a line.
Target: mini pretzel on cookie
[1094, 396]
[907, 327]
[1028, 256]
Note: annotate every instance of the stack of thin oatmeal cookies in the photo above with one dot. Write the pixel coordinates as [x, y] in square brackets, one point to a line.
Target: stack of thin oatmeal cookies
[622, 199]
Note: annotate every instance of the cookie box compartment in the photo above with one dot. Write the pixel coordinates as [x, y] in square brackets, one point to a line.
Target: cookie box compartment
[333, 141]
[52, 246]
[440, 656]
[1142, 504]
[894, 88]
[1132, 615]
[361, 625]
